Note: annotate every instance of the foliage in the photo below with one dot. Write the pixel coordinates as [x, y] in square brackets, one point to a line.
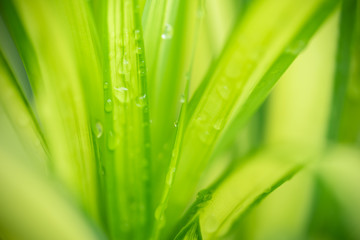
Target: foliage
[115, 113]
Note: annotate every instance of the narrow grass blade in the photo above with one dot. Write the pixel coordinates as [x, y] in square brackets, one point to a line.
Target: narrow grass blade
[339, 171]
[247, 70]
[11, 56]
[161, 208]
[219, 206]
[342, 67]
[127, 153]
[169, 27]
[285, 213]
[349, 130]
[300, 104]
[47, 46]
[20, 113]
[27, 209]
[170, 53]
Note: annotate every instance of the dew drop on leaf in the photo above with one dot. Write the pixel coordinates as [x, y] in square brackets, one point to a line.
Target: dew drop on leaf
[125, 67]
[102, 171]
[296, 48]
[200, 120]
[108, 105]
[224, 91]
[167, 32]
[121, 94]
[218, 124]
[182, 98]
[204, 136]
[106, 85]
[137, 34]
[170, 176]
[158, 211]
[98, 129]
[140, 101]
[159, 216]
[113, 140]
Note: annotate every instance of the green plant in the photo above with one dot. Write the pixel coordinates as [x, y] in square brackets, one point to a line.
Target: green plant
[118, 112]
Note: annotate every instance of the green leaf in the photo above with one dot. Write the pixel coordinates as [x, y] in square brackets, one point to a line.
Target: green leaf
[27, 206]
[343, 63]
[299, 106]
[19, 112]
[349, 128]
[236, 193]
[247, 70]
[58, 74]
[170, 176]
[126, 128]
[340, 172]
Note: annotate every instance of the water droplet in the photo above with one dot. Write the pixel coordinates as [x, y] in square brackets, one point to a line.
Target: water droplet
[159, 214]
[98, 129]
[211, 224]
[125, 67]
[102, 170]
[167, 32]
[159, 211]
[121, 94]
[139, 50]
[137, 34]
[182, 98]
[218, 124]
[176, 124]
[170, 176]
[140, 101]
[224, 91]
[200, 119]
[113, 140]
[108, 105]
[204, 136]
[296, 48]
[106, 85]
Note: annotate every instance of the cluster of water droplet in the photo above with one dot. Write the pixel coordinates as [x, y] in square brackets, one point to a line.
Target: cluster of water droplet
[167, 32]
